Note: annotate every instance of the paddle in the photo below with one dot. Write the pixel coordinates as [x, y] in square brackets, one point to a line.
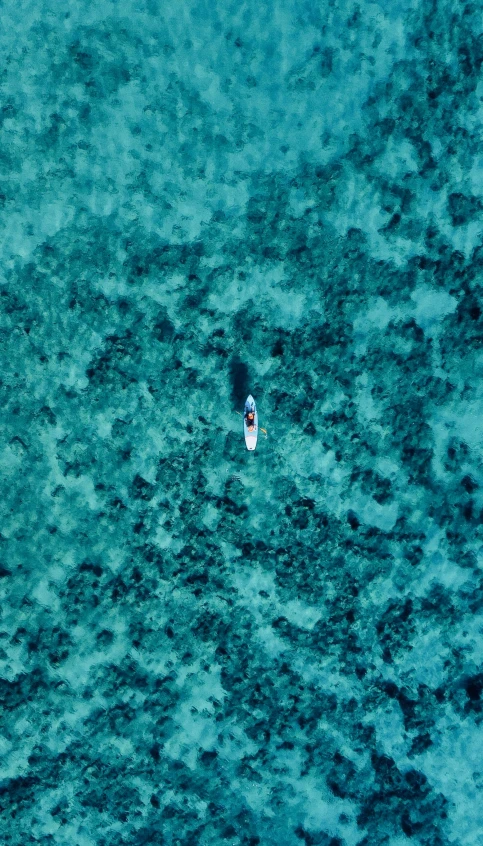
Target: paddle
[261, 427]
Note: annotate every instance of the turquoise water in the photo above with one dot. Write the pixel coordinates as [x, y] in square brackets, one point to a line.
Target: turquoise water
[201, 645]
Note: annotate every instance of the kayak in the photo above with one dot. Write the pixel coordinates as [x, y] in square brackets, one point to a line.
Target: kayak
[250, 437]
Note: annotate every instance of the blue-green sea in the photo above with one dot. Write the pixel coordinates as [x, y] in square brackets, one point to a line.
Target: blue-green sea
[201, 645]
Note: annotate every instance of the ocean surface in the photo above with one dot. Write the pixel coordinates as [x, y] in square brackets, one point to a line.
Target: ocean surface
[201, 645]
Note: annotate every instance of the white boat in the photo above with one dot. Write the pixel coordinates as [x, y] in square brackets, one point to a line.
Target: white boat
[250, 430]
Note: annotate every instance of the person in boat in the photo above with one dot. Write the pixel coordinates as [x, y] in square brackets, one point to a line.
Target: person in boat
[250, 421]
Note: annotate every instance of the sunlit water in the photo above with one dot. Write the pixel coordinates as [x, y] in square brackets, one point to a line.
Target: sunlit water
[201, 645]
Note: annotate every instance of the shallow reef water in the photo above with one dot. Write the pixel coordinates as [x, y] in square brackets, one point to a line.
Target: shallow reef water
[200, 645]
